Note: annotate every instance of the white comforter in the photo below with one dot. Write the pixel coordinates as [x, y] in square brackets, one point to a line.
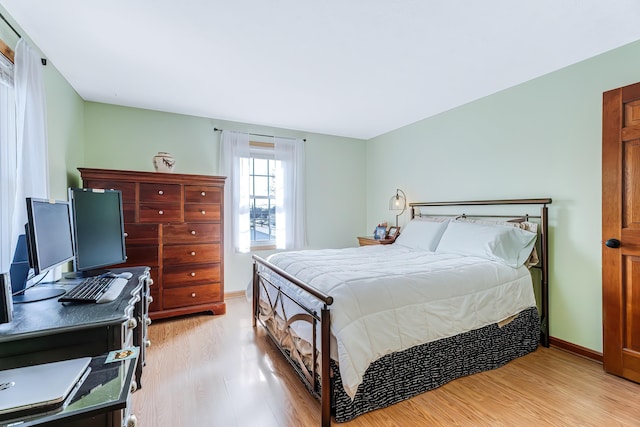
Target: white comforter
[389, 298]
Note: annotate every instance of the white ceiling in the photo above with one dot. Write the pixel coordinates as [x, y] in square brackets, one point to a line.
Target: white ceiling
[355, 68]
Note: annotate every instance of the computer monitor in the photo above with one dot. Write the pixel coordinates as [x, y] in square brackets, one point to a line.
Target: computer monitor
[98, 229]
[49, 244]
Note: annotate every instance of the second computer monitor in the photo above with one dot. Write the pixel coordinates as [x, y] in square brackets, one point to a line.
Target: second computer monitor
[46, 245]
[98, 227]
[48, 232]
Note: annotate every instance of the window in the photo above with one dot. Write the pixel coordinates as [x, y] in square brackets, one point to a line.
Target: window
[262, 193]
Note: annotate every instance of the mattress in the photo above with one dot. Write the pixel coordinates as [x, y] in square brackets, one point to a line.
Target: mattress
[389, 298]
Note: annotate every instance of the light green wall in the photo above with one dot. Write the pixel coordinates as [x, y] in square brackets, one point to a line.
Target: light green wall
[128, 138]
[539, 139]
[65, 118]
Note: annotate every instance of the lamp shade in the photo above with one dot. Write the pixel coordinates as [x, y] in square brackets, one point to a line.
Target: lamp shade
[398, 202]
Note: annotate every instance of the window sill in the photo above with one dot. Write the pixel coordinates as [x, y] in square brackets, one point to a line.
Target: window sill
[262, 248]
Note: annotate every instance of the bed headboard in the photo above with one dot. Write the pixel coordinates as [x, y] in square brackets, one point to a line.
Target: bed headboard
[419, 209]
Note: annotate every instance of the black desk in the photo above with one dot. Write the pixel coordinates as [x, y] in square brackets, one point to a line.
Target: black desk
[48, 331]
[101, 398]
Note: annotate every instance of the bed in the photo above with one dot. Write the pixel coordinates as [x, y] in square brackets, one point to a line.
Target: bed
[367, 327]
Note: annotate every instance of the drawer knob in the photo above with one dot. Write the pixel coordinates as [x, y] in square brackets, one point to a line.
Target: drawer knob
[193, 253]
[134, 386]
[147, 321]
[193, 294]
[150, 299]
[126, 234]
[203, 194]
[160, 212]
[132, 421]
[193, 232]
[161, 192]
[193, 274]
[203, 212]
[147, 343]
[132, 323]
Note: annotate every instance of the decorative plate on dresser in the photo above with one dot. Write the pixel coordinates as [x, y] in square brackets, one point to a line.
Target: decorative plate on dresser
[174, 224]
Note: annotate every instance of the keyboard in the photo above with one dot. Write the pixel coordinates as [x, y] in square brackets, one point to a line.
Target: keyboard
[95, 289]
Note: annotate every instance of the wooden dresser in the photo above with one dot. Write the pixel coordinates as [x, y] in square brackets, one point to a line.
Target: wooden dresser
[174, 224]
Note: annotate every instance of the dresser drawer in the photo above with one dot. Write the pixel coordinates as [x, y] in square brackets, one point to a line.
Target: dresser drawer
[202, 194]
[190, 232]
[158, 212]
[201, 212]
[181, 275]
[168, 193]
[141, 233]
[128, 188]
[142, 255]
[129, 212]
[190, 295]
[191, 253]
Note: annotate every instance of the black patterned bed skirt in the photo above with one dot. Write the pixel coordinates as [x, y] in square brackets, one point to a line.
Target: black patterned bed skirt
[402, 375]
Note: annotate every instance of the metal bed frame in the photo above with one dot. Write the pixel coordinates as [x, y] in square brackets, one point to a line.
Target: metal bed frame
[319, 383]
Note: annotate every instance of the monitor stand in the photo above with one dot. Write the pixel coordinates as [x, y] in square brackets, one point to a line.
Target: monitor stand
[19, 273]
[37, 294]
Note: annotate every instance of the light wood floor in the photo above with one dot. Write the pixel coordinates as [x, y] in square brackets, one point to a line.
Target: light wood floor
[218, 371]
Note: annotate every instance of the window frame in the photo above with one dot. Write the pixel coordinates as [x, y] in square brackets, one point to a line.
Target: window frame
[261, 150]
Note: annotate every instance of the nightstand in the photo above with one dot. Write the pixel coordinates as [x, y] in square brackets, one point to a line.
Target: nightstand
[369, 240]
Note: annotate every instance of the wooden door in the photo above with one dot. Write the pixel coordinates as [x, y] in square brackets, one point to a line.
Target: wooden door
[621, 231]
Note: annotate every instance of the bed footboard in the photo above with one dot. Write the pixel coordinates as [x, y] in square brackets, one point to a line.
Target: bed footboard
[318, 383]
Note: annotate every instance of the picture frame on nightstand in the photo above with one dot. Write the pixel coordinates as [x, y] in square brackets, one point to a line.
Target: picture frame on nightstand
[380, 233]
[393, 232]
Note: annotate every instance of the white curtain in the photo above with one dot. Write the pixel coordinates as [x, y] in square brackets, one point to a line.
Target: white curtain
[234, 164]
[31, 154]
[290, 212]
[7, 161]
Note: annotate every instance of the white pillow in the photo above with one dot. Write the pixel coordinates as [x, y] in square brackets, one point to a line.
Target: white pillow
[508, 245]
[533, 258]
[423, 235]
